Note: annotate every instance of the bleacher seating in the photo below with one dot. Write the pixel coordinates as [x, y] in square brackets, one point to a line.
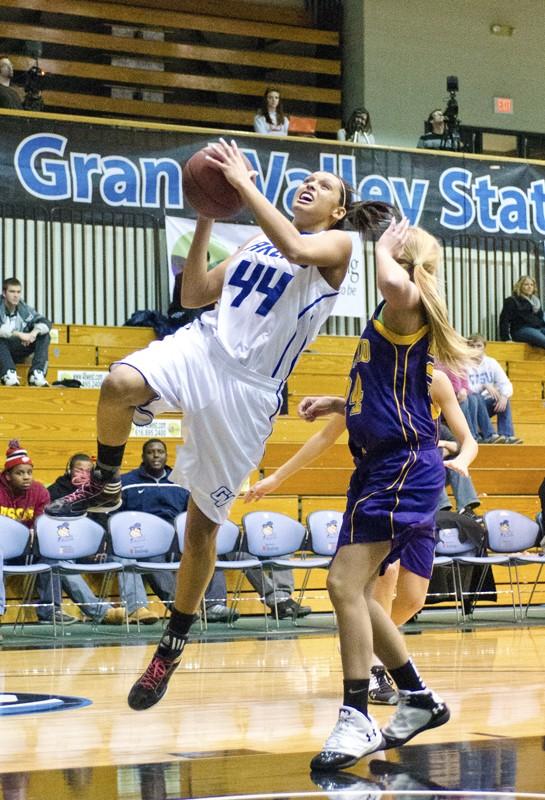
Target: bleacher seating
[207, 64]
[52, 423]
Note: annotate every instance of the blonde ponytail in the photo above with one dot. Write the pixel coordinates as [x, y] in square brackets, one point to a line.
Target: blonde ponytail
[421, 258]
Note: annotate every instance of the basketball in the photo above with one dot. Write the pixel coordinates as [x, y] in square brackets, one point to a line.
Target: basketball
[207, 190]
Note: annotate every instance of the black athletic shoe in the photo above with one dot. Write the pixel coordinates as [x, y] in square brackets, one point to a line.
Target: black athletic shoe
[98, 495]
[152, 685]
[290, 609]
[416, 712]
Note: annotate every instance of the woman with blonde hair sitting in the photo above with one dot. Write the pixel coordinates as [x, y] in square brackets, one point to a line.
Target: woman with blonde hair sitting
[521, 318]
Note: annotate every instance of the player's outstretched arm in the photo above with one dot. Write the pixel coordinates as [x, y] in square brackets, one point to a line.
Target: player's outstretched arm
[332, 248]
[393, 281]
[313, 407]
[201, 287]
[314, 447]
[443, 396]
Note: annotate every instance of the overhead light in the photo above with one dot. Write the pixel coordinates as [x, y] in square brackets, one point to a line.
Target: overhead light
[501, 30]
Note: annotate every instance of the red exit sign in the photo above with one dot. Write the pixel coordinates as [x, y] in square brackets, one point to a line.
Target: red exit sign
[503, 105]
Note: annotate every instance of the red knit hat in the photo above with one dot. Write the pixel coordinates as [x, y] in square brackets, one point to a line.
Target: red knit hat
[16, 455]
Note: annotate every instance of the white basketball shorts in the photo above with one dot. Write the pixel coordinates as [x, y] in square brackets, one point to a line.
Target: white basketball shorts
[228, 412]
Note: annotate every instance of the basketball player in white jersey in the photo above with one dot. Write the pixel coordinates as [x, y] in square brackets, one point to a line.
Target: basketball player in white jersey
[225, 371]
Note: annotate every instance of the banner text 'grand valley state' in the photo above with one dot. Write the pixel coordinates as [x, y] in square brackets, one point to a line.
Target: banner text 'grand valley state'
[66, 163]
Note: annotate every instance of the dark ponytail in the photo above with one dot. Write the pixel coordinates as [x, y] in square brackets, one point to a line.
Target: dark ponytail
[365, 216]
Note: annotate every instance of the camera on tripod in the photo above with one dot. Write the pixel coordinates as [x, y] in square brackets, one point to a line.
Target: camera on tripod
[450, 113]
[34, 81]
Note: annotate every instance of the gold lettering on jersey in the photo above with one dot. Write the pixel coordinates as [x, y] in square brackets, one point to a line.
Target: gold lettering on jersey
[363, 352]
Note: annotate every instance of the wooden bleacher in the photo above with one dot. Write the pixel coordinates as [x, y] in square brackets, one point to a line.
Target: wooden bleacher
[210, 64]
[55, 422]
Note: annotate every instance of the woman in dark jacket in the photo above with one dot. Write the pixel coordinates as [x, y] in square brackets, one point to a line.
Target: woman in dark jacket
[521, 317]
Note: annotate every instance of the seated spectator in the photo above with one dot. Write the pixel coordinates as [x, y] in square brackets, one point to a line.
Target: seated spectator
[358, 128]
[462, 486]
[521, 318]
[24, 499]
[473, 407]
[22, 331]
[270, 119]
[9, 97]
[437, 136]
[487, 378]
[78, 590]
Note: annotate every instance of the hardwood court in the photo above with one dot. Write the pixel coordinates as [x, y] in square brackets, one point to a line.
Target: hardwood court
[243, 717]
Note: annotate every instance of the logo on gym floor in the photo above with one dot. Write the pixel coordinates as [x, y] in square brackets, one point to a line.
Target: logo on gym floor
[24, 703]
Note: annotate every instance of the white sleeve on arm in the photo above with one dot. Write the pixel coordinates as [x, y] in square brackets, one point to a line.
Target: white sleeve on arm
[501, 381]
[260, 124]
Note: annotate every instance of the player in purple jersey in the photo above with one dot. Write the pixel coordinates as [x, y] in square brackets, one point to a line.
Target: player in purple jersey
[394, 490]
[218, 371]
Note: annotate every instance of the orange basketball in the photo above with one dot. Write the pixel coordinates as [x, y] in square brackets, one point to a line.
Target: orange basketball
[207, 190]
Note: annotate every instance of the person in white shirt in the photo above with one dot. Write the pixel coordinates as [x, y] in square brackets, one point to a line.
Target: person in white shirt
[487, 378]
[270, 119]
[358, 129]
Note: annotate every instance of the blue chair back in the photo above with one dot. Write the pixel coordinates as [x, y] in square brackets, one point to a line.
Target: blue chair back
[270, 534]
[324, 528]
[68, 539]
[139, 535]
[448, 543]
[228, 534]
[509, 531]
[14, 537]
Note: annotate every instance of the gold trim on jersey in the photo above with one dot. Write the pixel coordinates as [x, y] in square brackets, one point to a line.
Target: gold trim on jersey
[399, 338]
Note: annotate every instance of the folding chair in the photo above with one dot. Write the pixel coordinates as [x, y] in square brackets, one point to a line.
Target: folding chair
[66, 540]
[226, 542]
[272, 537]
[15, 542]
[508, 533]
[137, 535]
[448, 546]
[323, 528]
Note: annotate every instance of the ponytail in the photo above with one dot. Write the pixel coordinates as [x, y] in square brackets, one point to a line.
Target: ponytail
[421, 258]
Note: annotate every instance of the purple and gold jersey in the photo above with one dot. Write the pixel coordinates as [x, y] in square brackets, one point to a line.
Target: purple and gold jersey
[389, 403]
[393, 436]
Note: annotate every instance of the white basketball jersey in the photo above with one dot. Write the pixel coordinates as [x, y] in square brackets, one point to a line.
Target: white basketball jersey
[269, 309]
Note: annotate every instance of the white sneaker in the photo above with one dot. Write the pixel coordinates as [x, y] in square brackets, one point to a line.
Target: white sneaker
[37, 378]
[416, 712]
[353, 737]
[10, 378]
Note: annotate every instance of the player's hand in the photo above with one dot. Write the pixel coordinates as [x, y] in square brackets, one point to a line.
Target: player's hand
[313, 407]
[458, 465]
[394, 237]
[261, 488]
[229, 159]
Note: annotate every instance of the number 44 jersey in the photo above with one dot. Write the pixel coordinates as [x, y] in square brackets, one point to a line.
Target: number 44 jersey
[269, 309]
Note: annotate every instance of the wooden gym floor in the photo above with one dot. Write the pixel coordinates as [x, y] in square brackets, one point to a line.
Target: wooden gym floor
[244, 717]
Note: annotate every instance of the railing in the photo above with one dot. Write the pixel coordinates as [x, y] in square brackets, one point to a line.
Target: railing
[84, 267]
[97, 268]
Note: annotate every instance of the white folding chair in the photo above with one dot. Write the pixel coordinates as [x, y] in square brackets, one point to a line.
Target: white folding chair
[273, 538]
[136, 536]
[448, 546]
[226, 542]
[15, 542]
[64, 541]
[508, 533]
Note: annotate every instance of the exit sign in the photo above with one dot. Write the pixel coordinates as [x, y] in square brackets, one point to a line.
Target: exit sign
[503, 105]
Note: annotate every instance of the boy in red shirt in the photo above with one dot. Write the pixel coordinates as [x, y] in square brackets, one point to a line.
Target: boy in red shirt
[23, 499]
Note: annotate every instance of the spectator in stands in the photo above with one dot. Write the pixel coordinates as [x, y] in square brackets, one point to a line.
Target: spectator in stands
[24, 499]
[270, 119]
[9, 98]
[437, 136]
[77, 472]
[473, 408]
[148, 488]
[487, 378]
[358, 128]
[461, 485]
[521, 318]
[22, 331]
